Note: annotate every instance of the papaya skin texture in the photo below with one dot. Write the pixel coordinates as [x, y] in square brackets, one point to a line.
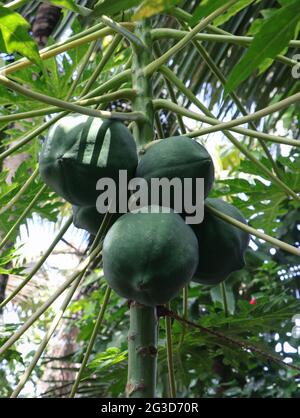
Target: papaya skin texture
[149, 257]
[221, 245]
[80, 150]
[88, 218]
[177, 157]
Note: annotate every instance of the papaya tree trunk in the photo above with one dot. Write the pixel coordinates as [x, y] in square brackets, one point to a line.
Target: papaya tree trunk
[142, 352]
[142, 337]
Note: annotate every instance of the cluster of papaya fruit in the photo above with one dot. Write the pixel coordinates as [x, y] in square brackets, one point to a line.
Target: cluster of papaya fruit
[148, 256]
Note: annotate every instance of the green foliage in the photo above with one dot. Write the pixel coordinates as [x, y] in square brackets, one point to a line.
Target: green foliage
[149, 8]
[205, 365]
[14, 35]
[233, 10]
[67, 4]
[107, 7]
[273, 36]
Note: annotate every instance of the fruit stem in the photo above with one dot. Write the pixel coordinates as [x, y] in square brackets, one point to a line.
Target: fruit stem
[142, 351]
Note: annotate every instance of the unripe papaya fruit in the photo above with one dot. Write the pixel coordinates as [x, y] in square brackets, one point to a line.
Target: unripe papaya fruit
[88, 218]
[79, 150]
[177, 157]
[221, 245]
[149, 257]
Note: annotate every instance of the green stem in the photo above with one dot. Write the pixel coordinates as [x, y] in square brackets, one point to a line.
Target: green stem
[234, 39]
[118, 28]
[106, 56]
[170, 91]
[219, 75]
[282, 104]
[39, 312]
[244, 41]
[120, 94]
[165, 104]
[224, 297]
[39, 264]
[172, 384]
[143, 331]
[81, 69]
[142, 352]
[47, 337]
[22, 217]
[91, 342]
[113, 83]
[20, 142]
[159, 128]
[154, 65]
[180, 85]
[185, 292]
[61, 47]
[67, 105]
[23, 189]
[274, 241]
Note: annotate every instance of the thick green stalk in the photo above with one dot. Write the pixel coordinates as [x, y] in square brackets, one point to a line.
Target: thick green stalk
[142, 352]
[143, 331]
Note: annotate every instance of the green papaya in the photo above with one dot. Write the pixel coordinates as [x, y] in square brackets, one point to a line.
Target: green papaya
[221, 245]
[149, 257]
[80, 150]
[177, 157]
[88, 218]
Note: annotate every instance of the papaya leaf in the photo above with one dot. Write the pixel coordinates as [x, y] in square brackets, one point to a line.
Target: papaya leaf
[151, 7]
[273, 37]
[108, 7]
[15, 38]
